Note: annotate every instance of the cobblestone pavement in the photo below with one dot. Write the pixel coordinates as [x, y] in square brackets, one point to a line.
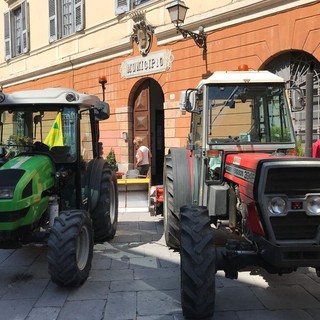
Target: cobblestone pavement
[136, 277]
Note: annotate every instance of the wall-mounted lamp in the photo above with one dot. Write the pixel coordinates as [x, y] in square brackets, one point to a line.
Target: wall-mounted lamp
[103, 81]
[125, 136]
[177, 11]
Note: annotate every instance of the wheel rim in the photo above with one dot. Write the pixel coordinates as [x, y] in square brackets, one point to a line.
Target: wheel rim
[112, 203]
[83, 247]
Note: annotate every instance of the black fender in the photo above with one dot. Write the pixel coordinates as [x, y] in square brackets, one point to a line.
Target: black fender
[181, 177]
[95, 168]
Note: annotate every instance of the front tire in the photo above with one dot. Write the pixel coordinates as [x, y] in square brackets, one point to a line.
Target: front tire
[197, 254]
[70, 248]
[177, 192]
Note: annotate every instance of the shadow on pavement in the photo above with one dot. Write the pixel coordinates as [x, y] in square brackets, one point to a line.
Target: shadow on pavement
[137, 277]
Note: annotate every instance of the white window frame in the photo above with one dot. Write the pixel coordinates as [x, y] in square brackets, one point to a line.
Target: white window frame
[122, 6]
[16, 31]
[66, 17]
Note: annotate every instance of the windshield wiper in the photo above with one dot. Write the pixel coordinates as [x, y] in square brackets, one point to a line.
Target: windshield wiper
[229, 102]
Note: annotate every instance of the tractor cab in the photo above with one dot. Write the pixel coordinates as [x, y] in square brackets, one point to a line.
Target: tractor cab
[62, 119]
[238, 112]
[63, 127]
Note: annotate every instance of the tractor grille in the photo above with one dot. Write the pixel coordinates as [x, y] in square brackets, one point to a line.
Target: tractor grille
[293, 181]
[10, 177]
[11, 216]
[295, 226]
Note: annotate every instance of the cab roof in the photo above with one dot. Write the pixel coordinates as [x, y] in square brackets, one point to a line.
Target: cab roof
[239, 77]
[48, 96]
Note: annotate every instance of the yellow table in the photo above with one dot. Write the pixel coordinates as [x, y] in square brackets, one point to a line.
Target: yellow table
[127, 185]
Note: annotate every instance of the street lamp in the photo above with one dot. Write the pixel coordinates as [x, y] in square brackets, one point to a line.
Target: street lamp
[177, 11]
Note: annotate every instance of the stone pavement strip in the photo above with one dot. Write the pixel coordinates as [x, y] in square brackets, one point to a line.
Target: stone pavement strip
[136, 277]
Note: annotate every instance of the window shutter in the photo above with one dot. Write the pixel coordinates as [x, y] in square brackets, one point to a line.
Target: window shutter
[122, 6]
[7, 36]
[53, 24]
[25, 36]
[79, 19]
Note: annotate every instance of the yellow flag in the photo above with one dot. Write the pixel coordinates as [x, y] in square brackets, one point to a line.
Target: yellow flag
[55, 135]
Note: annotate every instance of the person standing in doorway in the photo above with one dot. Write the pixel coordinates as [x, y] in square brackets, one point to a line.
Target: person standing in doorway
[143, 157]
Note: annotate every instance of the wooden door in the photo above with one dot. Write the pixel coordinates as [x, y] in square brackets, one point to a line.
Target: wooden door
[141, 114]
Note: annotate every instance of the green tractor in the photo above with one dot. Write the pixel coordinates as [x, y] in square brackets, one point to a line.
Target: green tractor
[55, 188]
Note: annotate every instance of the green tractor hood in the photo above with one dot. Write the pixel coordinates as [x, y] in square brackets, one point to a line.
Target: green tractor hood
[25, 183]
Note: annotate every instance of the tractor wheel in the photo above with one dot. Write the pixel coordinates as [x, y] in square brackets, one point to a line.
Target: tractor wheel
[197, 266]
[70, 248]
[105, 214]
[177, 192]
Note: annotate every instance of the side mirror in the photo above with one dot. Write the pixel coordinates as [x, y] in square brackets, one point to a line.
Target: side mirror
[102, 110]
[297, 99]
[188, 100]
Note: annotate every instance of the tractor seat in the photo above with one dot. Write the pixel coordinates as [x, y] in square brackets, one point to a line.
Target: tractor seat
[41, 147]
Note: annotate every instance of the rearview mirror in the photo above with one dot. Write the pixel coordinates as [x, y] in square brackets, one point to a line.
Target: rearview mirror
[102, 110]
[297, 99]
[188, 100]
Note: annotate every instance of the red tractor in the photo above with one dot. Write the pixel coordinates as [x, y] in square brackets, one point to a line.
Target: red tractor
[239, 194]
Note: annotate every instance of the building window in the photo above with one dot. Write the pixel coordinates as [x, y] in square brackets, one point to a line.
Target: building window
[292, 67]
[122, 6]
[15, 31]
[65, 18]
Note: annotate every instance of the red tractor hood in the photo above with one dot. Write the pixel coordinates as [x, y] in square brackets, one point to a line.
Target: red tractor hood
[250, 160]
[241, 168]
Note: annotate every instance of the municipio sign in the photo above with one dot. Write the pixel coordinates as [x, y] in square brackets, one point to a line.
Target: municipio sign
[153, 63]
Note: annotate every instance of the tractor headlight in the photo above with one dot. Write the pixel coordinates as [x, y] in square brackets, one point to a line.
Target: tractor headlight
[6, 193]
[313, 204]
[277, 205]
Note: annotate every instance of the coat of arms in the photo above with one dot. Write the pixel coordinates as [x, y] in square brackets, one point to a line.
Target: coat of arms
[142, 33]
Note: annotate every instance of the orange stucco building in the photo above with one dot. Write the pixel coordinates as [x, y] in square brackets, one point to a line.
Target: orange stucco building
[143, 90]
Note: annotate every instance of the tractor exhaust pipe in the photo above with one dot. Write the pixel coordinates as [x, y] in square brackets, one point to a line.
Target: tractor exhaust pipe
[53, 209]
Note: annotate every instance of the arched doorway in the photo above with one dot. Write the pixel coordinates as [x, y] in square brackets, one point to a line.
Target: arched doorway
[148, 123]
[293, 66]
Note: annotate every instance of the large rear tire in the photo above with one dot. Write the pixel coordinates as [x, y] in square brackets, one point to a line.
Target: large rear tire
[177, 192]
[197, 254]
[105, 215]
[70, 248]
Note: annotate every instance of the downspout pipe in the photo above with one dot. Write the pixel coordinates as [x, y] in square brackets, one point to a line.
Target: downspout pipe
[309, 111]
